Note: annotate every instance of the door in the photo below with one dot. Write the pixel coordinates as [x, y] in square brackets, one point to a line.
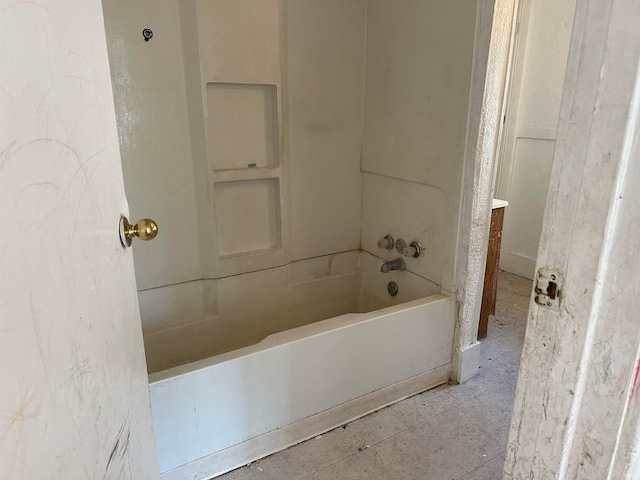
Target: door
[75, 401]
[577, 407]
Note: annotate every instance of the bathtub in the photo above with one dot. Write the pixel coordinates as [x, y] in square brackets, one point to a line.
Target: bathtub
[215, 413]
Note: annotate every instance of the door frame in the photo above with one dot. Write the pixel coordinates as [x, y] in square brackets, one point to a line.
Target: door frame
[576, 411]
[493, 47]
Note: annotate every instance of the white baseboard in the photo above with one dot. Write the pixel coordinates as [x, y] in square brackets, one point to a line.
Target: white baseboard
[517, 264]
[296, 432]
[466, 363]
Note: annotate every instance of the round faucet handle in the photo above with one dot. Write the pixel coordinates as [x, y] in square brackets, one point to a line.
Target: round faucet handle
[387, 242]
[413, 250]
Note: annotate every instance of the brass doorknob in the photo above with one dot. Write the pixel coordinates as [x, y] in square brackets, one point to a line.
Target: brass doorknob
[145, 229]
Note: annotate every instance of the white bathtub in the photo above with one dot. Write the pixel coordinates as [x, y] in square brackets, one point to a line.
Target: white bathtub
[221, 412]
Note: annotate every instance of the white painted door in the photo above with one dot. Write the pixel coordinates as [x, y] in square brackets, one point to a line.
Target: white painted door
[577, 408]
[74, 401]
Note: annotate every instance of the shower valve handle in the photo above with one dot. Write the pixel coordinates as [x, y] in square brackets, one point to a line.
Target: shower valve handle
[145, 229]
[413, 250]
[386, 242]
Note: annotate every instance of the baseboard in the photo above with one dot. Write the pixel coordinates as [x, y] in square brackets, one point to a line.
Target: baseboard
[517, 264]
[466, 364]
[296, 432]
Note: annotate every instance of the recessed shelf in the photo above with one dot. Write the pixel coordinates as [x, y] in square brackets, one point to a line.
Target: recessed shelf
[242, 126]
[247, 216]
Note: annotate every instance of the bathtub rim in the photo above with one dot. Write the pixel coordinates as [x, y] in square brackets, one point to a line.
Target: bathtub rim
[280, 339]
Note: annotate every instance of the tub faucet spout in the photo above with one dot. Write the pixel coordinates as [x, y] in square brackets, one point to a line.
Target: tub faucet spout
[397, 264]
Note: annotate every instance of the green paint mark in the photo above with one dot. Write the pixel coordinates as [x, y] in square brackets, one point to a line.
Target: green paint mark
[251, 165]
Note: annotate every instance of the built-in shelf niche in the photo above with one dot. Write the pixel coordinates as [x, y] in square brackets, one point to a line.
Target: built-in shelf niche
[242, 126]
[247, 216]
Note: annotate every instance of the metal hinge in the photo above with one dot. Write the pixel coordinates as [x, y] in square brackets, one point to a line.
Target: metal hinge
[548, 288]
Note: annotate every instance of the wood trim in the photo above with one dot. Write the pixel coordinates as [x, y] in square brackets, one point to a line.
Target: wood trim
[491, 271]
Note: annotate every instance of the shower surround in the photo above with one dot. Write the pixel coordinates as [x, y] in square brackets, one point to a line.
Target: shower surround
[275, 142]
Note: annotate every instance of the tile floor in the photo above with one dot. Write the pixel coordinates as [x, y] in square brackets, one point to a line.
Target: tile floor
[450, 432]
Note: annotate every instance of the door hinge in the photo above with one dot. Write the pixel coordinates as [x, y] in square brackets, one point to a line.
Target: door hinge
[548, 288]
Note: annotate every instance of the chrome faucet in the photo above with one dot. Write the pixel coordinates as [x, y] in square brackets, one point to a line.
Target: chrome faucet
[397, 264]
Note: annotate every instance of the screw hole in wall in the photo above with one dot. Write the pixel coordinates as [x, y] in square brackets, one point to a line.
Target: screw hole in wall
[147, 34]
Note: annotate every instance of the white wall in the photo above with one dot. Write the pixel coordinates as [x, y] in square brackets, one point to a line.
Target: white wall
[312, 52]
[326, 45]
[418, 78]
[153, 128]
[530, 131]
[358, 154]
